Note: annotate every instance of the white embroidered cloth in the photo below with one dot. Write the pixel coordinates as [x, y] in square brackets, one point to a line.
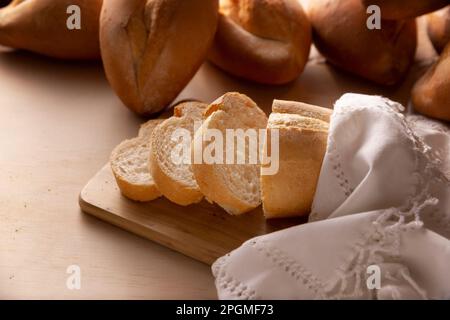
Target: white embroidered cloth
[382, 201]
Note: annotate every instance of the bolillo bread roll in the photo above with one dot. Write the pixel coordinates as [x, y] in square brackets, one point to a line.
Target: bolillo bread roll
[303, 109]
[405, 9]
[176, 181]
[129, 164]
[267, 41]
[41, 26]
[438, 28]
[431, 93]
[302, 146]
[235, 187]
[340, 33]
[151, 49]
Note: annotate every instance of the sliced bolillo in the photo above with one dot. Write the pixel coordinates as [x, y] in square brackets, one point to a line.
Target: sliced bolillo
[129, 164]
[301, 148]
[174, 177]
[233, 186]
[303, 109]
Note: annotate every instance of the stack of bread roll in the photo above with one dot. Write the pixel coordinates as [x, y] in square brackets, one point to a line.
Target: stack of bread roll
[144, 168]
[385, 55]
[438, 28]
[431, 93]
[41, 26]
[341, 34]
[151, 49]
[303, 134]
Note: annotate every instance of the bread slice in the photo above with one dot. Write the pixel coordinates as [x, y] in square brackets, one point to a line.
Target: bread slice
[175, 180]
[303, 109]
[234, 187]
[302, 146]
[146, 129]
[129, 164]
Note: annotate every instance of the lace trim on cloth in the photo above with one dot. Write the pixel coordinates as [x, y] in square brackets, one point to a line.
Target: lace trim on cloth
[379, 246]
[428, 175]
[338, 171]
[416, 120]
[291, 267]
[344, 183]
[225, 281]
[278, 258]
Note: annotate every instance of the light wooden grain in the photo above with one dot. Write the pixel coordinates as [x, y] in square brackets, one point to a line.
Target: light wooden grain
[202, 231]
[58, 124]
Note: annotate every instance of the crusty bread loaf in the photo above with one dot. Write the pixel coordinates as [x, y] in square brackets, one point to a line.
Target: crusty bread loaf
[303, 109]
[431, 93]
[438, 28]
[152, 48]
[340, 33]
[175, 180]
[302, 146]
[235, 187]
[40, 26]
[129, 164]
[405, 9]
[267, 41]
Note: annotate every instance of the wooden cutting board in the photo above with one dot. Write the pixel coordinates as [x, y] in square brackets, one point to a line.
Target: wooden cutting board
[202, 231]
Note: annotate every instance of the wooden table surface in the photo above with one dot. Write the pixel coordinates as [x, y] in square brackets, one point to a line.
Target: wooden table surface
[58, 124]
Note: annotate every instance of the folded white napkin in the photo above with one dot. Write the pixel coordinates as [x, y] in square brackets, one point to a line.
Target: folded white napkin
[380, 222]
